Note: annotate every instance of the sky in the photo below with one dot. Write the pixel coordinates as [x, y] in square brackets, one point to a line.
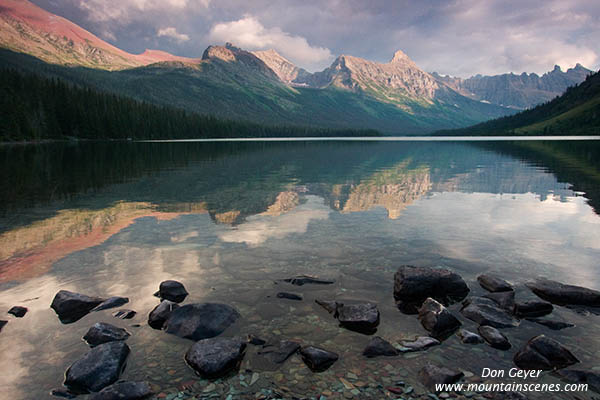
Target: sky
[454, 37]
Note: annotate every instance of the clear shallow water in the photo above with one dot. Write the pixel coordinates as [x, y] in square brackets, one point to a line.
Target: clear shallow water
[230, 219]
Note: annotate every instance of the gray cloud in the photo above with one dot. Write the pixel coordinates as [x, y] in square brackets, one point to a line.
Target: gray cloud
[459, 37]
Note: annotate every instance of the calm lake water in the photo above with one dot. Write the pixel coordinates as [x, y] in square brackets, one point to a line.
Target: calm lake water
[230, 219]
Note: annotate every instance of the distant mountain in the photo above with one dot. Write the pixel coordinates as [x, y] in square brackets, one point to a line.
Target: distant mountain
[576, 112]
[517, 91]
[27, 28]
[285, 69]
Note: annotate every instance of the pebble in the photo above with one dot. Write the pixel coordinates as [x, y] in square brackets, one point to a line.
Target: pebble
[351, 375]
[209, 388]
[254, 378]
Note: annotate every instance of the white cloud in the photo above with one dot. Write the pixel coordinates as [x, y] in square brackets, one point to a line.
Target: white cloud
[172, 33]
[124, 10]
[250, 34]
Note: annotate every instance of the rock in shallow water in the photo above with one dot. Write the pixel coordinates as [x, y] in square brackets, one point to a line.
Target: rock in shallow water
[544, 353]
[278, 354]
[2, 323]
[469, 337]
[289, 296]
[419, 344]
[172, 290]
[363, 317]
[215, 357]
[317, 359]
[124, 391]
[160, 314]
[379, 347]
[506, 300]
[124, 314]
[554, 325]
[102, 332]
[413, 285]
[98, 368]
[111, 302]
[201, 320]
[437, 319]
[71, 307]
[301, 280]
[592, 379]
[330, 305]
[494, 337]
[431, 375]
[532, 308]
[492, 283]
[18, 311]
[486, 312]
[561, 294]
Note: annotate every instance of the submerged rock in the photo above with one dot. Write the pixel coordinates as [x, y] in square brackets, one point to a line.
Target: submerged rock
[307, 279]
[431, 375]
[532, 308]
[71, 307]
[98, 368]
[494, 337]
[124, 314]
[379, 347]
[469, 337]
[102, 332]
[492, 283]
[506, 300]
[419, 344]
[561, 294]
[2, 323]
[215, 357]
[64, 393]
[330, 305]
[437, 319]
[172, 290]
[111, 302]
[554, 325]
[413, 285]
[201, 320]
[592, 379]
[278, 354]
[125, 390]
[363, 317]
[254, 340]
[160, 314]
[289, 296]
[486, 312]
[18, 311]
[318, 359]
[544, 353]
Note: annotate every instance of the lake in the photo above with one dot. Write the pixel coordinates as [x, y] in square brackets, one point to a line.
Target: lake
[230, 220]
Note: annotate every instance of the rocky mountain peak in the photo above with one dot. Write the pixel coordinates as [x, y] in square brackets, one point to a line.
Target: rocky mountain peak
[285, 70]
[400, 56]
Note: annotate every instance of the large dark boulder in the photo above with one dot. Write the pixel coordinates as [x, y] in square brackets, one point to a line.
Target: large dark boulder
[431, 375]
[125, 390]
[506, 300]
[437, 319]
[111, 302]
[379, 347]
[487, 312]
[278, 354]
[532, 309]
[102, 332]
[412, 285]
[561, 294]
[215, 357]
[592, 379]
[492, 283]
[159, 315]
[318, 359]
[201, 320]
[18, 311]
[544, 353]
[494, 337]
[71, 307]
[301, 280]
[363, 317]
[172, 290]
[98, 368]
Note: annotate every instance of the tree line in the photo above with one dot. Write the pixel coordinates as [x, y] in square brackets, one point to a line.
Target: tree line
[38, 108]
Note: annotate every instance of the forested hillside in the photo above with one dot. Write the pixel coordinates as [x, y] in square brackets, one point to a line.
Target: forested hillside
[38, 108]
[576, 112]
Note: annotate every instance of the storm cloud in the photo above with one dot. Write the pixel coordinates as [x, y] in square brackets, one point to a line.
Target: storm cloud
[459, 37]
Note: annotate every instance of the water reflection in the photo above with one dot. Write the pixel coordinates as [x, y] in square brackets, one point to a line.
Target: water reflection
[230, 218]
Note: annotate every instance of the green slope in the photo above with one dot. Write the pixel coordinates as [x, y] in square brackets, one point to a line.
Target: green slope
[576, 112]
[237, 91]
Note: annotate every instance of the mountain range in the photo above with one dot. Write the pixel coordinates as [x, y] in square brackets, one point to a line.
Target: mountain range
[264, 87]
